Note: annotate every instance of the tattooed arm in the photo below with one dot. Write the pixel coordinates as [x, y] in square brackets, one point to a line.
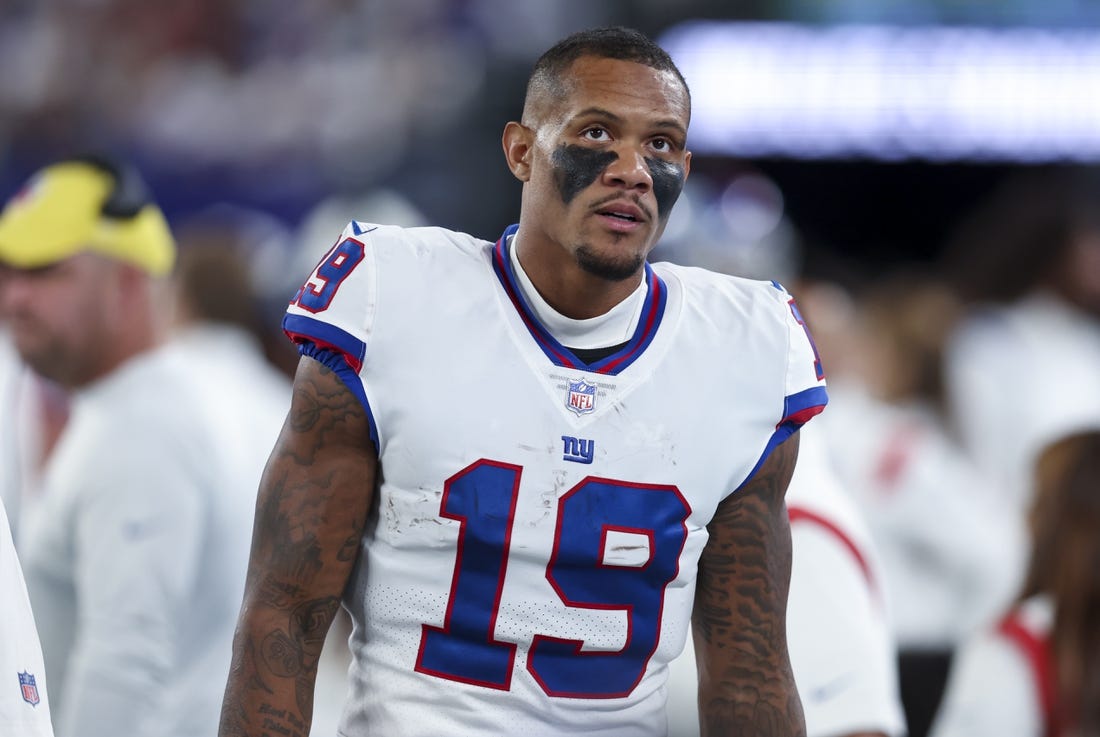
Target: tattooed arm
[313, 502]
[746, 688]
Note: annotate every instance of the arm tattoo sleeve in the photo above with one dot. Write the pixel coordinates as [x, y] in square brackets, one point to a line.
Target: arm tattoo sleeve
[746, 684]
[312, 506]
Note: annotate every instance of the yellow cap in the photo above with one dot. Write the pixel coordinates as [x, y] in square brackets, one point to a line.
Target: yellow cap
[59, 213]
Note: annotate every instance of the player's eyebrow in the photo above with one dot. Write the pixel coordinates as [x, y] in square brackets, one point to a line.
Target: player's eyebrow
[599, 112]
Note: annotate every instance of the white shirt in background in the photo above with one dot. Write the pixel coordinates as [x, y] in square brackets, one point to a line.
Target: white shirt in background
[135, 552]
[1021, 376]
[24, 705]
[994, 689]
[952, 550]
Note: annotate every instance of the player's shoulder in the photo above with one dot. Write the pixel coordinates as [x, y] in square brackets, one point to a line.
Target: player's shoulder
[419, 241]
[718, 293]
[705, 281]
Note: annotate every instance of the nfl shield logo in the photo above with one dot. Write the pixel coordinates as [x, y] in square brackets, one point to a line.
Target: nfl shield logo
[29, 687]
[582, 397]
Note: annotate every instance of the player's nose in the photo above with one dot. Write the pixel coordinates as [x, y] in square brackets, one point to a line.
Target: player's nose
[629, 169]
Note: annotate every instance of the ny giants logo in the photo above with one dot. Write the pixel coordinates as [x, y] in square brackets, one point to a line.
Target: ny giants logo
[578, 450]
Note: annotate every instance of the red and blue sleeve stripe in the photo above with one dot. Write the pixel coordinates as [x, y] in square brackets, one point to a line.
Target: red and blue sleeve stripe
[337, 349]
[797, 410]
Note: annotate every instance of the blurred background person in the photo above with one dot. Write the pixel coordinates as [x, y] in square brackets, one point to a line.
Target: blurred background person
[222, 318]
[1037, 672]
[951, 554]
[24, 704]
[134, 551]
[838, 631]
[1024, 364]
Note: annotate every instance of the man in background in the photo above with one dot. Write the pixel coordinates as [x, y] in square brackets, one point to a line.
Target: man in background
[134, 550]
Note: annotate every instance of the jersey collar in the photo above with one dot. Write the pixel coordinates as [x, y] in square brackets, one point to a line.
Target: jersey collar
[652, 312]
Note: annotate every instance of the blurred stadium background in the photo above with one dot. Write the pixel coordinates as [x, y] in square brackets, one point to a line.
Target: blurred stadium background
[853, 131]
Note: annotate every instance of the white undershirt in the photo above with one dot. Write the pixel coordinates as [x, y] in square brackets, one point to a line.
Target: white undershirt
[613, 327]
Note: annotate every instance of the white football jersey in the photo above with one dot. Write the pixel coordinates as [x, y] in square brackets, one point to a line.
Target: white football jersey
[531, 566]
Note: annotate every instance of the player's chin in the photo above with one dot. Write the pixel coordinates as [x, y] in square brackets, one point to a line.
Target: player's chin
[610, 264]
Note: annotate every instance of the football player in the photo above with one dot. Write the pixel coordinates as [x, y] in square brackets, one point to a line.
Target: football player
[527, 467]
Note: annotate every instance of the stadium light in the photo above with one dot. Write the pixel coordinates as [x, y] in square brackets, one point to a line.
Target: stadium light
[891, 93]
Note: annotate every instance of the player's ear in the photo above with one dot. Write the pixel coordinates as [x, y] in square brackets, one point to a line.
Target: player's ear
[518, 142]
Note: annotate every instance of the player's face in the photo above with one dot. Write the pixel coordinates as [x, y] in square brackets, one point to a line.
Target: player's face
[609, 160]
[59, 316]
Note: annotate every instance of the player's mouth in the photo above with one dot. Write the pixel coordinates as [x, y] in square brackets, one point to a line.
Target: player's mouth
[622, 217]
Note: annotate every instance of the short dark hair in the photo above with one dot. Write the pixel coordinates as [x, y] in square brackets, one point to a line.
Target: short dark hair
[614, 42]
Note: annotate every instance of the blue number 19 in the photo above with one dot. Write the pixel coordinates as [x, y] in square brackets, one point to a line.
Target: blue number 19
[317, 293]
[482, 497]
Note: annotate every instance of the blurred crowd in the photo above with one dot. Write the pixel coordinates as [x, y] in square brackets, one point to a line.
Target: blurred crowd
[279, 105]
[271, 104]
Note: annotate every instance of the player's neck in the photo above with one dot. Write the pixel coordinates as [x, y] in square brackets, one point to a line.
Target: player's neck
[611, 327]
[570, 290]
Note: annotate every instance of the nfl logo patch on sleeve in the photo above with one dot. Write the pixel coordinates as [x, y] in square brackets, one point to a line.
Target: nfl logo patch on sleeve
[29, 687]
